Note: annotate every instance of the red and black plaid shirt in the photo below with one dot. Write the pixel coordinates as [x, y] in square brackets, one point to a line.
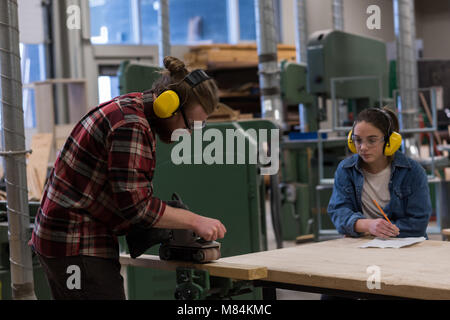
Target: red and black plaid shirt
[101, 183]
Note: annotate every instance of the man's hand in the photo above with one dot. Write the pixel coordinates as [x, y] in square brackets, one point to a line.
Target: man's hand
[209, 229]
[383, 229]
[176, 218]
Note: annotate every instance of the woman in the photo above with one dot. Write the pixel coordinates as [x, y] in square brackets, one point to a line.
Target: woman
[379, 172]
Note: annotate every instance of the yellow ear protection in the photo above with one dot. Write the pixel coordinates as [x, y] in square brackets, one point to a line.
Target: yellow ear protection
[392, 141]
[168, 102]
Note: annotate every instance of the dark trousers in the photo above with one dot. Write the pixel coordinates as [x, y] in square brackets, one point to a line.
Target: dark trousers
[83, 278]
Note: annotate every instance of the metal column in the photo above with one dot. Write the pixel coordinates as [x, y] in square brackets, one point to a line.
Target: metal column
[301, 30]
[338, 15]
[301, 49]
[163, 31]
[14, 151]
[404, 23]
[269, 72]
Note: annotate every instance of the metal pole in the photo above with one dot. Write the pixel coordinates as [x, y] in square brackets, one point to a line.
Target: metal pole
[269, 72]
[338, 15]
[233, 21]
[163, 31]
[74, 45]
[406, 60]
[14, 151]
[301, 30]
[404, 24]
[301, 45]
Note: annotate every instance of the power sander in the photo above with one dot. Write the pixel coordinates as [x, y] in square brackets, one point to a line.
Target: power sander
[176, 244]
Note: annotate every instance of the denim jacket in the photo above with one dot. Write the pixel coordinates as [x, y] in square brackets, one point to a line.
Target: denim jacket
[410, 205]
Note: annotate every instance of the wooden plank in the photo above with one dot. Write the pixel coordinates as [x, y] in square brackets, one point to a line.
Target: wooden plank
[61, 80]
[446, 233]
[204, 56]
[304, 238]
[41, 146]
[420, 271]
[217, 268]
[447, 174]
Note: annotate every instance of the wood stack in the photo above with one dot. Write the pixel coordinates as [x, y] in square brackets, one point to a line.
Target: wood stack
[41, 146]
[222, 55]
[225, 113]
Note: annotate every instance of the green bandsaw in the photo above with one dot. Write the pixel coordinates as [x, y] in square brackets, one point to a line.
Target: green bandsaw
[334, 54]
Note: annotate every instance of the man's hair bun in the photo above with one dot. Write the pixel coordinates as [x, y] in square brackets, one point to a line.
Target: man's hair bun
[175, 66]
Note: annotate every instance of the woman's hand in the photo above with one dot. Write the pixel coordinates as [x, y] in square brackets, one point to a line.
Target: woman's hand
[382, 229]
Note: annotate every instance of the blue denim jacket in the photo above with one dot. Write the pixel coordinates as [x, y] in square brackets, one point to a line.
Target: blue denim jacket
[410, 205]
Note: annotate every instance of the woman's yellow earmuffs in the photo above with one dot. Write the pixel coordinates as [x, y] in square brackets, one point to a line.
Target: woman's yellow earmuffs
[392, 142]
[168, 102]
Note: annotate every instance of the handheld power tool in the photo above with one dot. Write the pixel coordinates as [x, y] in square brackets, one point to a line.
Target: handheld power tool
[176, 244]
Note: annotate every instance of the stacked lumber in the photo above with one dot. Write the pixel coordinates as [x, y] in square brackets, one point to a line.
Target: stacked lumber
[223, 55]
[37, 165]
[225, 113]
[41, 146]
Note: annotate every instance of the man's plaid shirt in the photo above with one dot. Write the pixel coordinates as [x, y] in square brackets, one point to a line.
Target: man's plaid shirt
[100, 183]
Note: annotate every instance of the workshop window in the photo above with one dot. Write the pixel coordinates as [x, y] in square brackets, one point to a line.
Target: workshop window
[33, 69]
[108, 83]
[111, 22]
[247, 30]
[191, 21]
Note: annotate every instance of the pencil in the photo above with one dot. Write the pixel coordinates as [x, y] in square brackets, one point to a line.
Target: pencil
[381, 210]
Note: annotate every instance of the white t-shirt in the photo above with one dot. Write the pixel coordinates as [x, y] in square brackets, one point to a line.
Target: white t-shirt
[376, 186]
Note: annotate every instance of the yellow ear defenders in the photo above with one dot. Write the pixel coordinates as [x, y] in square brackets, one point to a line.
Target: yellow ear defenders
[392, 141]
[168, 102]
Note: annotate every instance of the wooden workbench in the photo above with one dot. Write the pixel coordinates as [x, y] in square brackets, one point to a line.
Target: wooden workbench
[421, 271]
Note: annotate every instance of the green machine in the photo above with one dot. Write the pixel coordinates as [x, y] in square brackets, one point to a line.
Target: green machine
[136, 77]
[41, 288]
[343, 67]
[347, 66]
[231, 192]
[293, 83]
[299, 170]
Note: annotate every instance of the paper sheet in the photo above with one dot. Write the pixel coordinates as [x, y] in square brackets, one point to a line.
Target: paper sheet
[392, 242]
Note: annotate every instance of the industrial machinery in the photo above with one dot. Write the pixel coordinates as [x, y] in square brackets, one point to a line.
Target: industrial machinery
[136, 77]
[349, 67]
[175, 244]
[341, 66]
[350, 70]
[232, 192]
[186, 245]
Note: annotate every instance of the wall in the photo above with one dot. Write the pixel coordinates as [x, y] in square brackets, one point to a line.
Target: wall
[319, 13]
[432, 20]
[433, 26]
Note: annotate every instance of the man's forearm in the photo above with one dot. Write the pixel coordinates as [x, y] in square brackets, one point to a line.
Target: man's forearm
[176, 218]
